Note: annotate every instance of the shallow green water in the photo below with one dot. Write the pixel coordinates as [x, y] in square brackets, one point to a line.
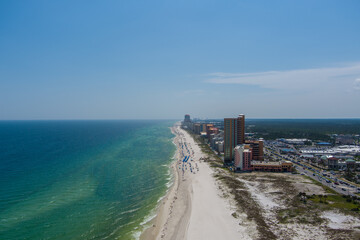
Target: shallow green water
[81, 179]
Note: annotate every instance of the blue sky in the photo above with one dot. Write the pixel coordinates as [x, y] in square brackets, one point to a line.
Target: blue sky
[162, 59]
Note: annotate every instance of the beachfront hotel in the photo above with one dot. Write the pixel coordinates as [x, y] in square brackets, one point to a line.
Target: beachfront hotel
[243, 157]
[257, 149]
[187, 122]
[187, 118]
[234, 134]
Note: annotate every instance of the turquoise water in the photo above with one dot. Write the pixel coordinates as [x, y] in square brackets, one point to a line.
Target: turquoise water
[81, 179]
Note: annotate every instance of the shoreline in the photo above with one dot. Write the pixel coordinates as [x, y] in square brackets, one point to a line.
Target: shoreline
[193, 207]
[152, 231]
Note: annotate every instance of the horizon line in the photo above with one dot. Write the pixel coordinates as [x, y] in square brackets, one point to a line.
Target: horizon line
[169, 119]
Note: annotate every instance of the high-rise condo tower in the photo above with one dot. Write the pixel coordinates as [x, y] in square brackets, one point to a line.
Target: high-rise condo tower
[234, 134]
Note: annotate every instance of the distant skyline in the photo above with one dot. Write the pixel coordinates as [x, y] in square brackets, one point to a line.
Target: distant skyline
[163, 59]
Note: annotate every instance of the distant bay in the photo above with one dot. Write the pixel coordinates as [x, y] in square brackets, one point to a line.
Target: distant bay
[81, 179]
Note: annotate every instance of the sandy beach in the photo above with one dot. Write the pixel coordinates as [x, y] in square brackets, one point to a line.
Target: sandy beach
[199, 206]
[193, 208]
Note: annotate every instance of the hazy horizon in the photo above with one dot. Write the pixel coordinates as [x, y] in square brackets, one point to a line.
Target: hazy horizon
[91, 60]
[169, 119]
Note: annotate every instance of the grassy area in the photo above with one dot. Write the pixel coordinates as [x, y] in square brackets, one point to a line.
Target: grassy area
[299, 213]
[313, 181]
[335, 201]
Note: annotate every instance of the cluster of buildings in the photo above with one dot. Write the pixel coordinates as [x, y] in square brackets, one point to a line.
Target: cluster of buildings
[228, 139]
[207, 130]
[335, 158]
[323, 154]
[344, 139]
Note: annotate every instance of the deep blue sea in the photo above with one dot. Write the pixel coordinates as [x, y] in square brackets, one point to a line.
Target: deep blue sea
[81, 179]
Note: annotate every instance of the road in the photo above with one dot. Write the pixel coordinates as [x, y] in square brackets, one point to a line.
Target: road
[312, 172]
[317, 177]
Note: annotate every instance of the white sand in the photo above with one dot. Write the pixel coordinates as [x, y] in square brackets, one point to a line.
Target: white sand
[268, 203]
[210, 214]
[194, 208]
[338, 220]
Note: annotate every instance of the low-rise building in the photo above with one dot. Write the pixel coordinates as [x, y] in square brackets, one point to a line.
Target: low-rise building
[295, 141]
[323, 144]
[333, 163]
[282, 166]
[287, 151]
[344, 139]
[339, 150]
[350, 164]
[220, 146]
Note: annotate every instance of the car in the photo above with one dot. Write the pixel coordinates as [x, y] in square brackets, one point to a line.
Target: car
[336, 183]
[343, 189]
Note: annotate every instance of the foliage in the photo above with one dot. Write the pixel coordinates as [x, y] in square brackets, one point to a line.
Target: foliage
[314, 129]
[350, 176]
[336, 201]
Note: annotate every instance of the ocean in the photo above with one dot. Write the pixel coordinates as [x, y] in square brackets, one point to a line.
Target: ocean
[82, 179]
